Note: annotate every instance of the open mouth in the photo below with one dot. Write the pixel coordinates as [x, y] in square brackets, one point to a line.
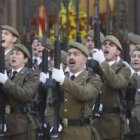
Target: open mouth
[13, 61]
[34, 49]
[71, 63]
[135, 63]
[106, 52]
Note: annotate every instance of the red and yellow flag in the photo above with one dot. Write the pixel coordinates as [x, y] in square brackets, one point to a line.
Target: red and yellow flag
[42, 20]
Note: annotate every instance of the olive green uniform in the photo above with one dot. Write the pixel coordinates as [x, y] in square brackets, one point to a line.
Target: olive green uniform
[78, 96]
[7, 62]
[19, 92]
[116, 77]
[135, 112]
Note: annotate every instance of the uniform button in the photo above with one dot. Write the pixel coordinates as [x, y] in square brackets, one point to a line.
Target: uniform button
[65, 99]
[65, 110]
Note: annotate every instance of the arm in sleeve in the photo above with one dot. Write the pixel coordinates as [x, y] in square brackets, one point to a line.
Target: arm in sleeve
[85, 92]
[25, 92]
[116, 80]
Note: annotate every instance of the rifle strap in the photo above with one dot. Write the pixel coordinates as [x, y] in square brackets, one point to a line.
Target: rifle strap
[117, 71]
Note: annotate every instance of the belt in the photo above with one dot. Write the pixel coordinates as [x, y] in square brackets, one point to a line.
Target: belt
[11, 110]
[74, 122]
[108, 110]
[25, 109]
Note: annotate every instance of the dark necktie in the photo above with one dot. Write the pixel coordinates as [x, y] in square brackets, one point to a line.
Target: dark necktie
[34, 61]
[72, 77]
[13, 75]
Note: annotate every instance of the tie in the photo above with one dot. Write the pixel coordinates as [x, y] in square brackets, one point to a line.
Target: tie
[72, 77]
[34, 61]
[13, 75]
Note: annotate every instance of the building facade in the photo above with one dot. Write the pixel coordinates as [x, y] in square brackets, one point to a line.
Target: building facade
[18, 12]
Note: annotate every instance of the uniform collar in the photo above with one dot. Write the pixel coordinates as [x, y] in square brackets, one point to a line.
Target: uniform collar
[76, 74]
[18, 70]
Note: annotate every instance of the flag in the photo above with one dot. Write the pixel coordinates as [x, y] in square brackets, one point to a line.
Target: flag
[42, 20]
[41, 26]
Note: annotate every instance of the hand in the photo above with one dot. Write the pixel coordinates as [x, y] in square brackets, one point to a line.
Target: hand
[58, 75]
[43, 76]
[3, 77]
[98, 55]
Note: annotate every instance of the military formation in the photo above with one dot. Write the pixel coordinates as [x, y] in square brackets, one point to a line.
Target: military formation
[84, 91]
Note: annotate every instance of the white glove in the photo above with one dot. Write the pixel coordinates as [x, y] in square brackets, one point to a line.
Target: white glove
[3, 78]
[98, 55]
[58, 75]
[43, 76]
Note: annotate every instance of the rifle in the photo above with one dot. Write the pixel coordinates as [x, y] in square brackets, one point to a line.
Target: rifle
[97, 108]
[108, 18]
[3, 127]
[43, 130]
[96, 25]
[126, 51]
[88, 12]
[28, 45]
[117, 18]
[78, 37]
[65, 31]
[56, 90]
[93, 63]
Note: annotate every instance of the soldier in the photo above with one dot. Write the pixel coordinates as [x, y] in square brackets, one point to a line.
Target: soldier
[37, 52]
[19, 87]
[92, 65]
[115, 75]
[38, 46]
[10, 36]
[134, 40]
[90, 42]
[80, 89]
[135, 97]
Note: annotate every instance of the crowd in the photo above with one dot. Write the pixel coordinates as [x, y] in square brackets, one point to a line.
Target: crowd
[99, 91]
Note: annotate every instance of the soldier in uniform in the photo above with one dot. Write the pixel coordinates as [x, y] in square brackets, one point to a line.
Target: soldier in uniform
[115, 75]
[19, 87]
[90, 42]
[92, 65]
[38, 45]
[80, 89]
[135, 97]
[10, 36]
[37, 52]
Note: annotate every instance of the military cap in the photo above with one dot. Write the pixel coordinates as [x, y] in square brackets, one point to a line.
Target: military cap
[49, 44]
[63, 57]
[10, 29]
[80, 47]
[134, 38]
[91, 34]
[22, 48]
[39, 39]
[114, 40]
[137, 48]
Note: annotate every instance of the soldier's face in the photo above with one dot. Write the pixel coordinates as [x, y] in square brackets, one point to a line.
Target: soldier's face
[17, 59]
[131, 48]
[76, 60]
[90, 45]
[110, 50]
[35, 46]
[40, 49]
[135, 60]
[9, 39]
